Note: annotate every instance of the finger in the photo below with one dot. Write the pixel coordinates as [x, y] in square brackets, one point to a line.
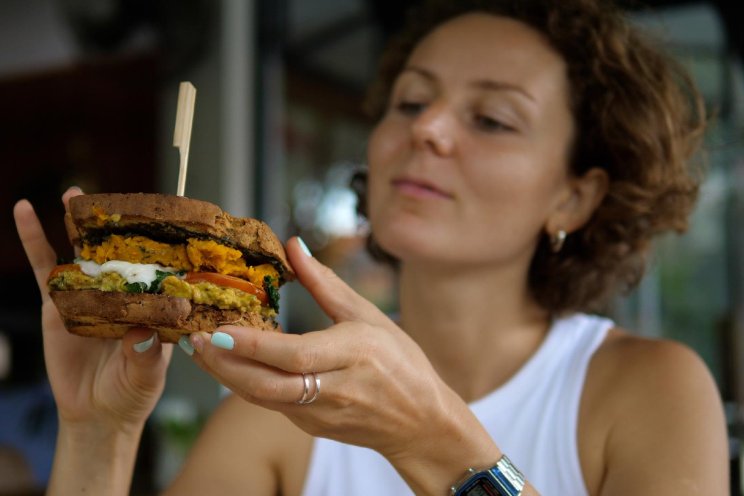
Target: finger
[251, 380]
[335, 297]
[331, 349]
[72, 234]
[147, 358]
[71, 192]
[38, 250]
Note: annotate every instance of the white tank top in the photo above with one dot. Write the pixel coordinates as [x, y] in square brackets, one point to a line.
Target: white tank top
[533, 418]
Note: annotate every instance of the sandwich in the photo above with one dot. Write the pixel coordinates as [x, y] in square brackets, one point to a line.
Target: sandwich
[174, 264]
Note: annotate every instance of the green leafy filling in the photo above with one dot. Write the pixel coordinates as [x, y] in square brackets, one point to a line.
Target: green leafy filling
[135, 287]
[154, 287]
[272, 291]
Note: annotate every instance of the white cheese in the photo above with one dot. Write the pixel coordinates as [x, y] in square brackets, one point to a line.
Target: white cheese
[132, 272]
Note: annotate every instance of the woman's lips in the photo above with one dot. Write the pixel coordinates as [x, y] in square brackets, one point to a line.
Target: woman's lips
[418, 189]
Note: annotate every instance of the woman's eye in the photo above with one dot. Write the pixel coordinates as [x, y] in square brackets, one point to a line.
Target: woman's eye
[487, 123]
[410, 107]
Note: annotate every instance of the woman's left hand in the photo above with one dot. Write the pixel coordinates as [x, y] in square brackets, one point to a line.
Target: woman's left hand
[378, 389]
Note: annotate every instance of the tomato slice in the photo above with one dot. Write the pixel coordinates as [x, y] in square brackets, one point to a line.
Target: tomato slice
[63, 268]
[228, 282]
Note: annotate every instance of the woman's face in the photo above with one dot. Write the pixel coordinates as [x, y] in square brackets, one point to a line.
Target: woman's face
[470, 160]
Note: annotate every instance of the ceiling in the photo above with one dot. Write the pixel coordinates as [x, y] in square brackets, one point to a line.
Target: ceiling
[338, 40]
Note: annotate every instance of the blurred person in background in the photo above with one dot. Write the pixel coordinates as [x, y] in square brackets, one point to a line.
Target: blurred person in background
[526, 152]
[29, 417]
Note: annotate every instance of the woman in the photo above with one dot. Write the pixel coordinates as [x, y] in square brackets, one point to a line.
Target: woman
[525, 153]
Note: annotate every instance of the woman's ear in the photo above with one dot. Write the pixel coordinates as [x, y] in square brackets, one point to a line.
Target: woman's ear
[583, 196]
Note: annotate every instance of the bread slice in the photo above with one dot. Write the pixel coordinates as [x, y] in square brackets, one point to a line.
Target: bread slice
[110, 314]
[172, 218]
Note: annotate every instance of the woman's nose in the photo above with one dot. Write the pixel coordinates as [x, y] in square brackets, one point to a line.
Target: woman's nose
[433, 129]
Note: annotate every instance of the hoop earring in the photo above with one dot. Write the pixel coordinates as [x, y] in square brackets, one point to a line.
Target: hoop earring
[557, 240]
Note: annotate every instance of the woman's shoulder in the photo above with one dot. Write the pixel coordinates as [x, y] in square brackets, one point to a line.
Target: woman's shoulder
[647, 400]
[642, 363]
[621, 357]
[636, 375]
[245, 445]
[628, 370]
[650, 406]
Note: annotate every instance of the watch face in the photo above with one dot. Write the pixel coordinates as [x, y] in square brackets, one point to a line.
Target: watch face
[483, 490]
[481, 487]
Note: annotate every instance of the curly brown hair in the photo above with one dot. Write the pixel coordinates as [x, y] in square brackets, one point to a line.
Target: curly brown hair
[638, 116]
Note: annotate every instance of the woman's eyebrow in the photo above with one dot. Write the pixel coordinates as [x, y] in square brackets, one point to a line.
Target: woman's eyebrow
[485, 84]
[425, 73]
[491, 85]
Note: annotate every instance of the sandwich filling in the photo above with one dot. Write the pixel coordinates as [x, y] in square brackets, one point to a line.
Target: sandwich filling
[201, 270]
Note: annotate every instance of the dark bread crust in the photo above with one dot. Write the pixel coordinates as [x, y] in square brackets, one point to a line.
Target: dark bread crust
[121, 211]
[105, 314]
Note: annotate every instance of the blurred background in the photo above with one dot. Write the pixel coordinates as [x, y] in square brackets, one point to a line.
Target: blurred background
[88, 91]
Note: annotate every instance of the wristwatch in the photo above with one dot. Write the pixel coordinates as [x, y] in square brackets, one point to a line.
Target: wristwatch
[503, 479]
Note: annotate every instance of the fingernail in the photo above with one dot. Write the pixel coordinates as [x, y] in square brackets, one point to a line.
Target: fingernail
[76, 188]
[304, 247]
[197, 341]
[222, 340]
[183, 342]
[143, 346]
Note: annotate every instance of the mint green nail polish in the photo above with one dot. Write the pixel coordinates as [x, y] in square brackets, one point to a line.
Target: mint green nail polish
[304, 247]
[183, 342]
[222, 340]
[144, 345]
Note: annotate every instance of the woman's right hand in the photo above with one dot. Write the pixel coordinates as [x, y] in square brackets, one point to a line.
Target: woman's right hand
[97, 383]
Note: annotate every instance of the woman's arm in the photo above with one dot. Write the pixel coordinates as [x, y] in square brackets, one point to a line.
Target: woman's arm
[104, 389]
[378, 389]
[244, 449]
[89, 460]
[666, 428]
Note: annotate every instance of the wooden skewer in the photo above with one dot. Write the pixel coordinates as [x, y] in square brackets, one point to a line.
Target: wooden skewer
[182, 132]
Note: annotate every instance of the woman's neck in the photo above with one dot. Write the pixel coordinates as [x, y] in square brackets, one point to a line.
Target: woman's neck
[477, 326]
